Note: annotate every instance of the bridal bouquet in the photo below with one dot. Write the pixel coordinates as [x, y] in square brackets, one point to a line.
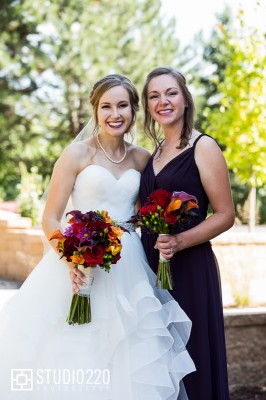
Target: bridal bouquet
[91, 240]
[166, 213]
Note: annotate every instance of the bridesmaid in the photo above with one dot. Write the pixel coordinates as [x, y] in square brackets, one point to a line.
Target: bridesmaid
[186, 160]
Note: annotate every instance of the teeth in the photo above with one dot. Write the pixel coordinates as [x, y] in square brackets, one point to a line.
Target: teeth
[115, 124]
[164, 111]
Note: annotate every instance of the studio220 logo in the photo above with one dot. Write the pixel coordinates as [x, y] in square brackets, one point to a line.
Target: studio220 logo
[60, 379]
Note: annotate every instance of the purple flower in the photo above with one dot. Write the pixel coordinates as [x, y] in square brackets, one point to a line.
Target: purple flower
[87, 236]
[69, 232]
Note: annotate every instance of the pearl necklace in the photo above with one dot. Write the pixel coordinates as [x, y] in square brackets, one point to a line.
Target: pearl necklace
[107, 155]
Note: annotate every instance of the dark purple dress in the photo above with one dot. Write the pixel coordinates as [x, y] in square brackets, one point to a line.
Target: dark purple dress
[196, 282]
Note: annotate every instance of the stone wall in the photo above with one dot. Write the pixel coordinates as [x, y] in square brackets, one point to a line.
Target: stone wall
[241, 257]
[21, 248]
[245, 332]
[242, 260]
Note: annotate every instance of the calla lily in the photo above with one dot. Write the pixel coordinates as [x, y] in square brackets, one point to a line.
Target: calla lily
[56, 235]
[183, 196]
[174, 205]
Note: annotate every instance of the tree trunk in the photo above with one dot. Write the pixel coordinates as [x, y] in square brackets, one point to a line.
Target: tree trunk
[252, 209]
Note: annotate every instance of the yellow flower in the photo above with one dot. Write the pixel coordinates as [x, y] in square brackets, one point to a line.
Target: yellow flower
[106, 217]
[115, 249]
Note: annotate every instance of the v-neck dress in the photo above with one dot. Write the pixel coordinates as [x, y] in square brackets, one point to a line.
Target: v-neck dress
[196, 281]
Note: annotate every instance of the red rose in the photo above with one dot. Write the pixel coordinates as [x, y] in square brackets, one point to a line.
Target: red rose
[160, 197]
[171, 218]
[148, 209]
[94, 256]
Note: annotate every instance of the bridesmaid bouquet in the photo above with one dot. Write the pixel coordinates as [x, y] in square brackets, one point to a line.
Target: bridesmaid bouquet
[166, 213]
[91, 240]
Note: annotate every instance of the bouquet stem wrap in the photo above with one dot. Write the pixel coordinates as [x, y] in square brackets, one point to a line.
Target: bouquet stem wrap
[164, 279]
[80, 309]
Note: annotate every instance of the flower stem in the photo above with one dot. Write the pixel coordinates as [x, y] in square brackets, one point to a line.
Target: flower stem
[164, 279]
[80, 310]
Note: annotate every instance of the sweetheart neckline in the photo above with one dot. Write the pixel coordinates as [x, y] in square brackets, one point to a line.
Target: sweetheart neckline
[117, 179]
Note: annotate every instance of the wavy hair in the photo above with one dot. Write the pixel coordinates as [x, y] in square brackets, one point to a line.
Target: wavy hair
[150, 126]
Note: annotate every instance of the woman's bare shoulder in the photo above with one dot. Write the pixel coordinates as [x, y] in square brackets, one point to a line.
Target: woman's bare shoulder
[77, 154]
[205, 141]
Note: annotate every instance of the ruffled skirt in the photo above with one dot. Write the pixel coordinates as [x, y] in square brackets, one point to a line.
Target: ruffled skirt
[133, 349]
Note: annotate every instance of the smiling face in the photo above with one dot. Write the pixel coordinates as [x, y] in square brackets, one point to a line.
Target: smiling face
[166, 102]
[114, 113]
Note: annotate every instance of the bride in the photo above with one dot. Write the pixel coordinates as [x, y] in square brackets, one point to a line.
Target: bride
[134, 348]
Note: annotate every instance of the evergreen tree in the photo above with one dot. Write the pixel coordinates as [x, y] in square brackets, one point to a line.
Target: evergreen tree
[51, 53]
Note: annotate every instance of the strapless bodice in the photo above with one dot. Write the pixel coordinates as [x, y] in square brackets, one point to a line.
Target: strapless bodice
[98, 189]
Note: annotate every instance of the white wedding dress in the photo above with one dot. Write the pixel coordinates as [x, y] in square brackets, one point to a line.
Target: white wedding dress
[134, 348]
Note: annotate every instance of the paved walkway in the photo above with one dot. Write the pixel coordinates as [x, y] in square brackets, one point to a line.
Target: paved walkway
[7, 289]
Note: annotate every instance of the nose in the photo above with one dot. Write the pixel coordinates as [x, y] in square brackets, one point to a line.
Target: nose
[163, 99]
[115, 112]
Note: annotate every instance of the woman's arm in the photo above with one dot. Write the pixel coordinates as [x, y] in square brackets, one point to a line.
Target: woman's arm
[61, 186]
[215, 180]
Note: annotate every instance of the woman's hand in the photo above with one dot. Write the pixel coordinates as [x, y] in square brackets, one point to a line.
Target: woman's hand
[77, 279]
[168, 245]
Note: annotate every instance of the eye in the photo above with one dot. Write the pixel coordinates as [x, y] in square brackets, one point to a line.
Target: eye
[105, 107]
[153, 96]
[123, 105]
[174, 93]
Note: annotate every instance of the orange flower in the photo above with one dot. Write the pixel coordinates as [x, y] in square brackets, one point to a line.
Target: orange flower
[112, 236]
[57, 235]
[191, 204]
[115, 249]
[174, 205]
[78, 259]
[117, 231]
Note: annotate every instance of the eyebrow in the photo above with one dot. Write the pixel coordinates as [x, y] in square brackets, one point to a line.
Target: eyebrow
[171, 88]
[121, 101]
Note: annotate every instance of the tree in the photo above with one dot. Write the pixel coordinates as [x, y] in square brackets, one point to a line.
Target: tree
[240, 121]
[52, 52]
[20, 60]
[211, 66]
